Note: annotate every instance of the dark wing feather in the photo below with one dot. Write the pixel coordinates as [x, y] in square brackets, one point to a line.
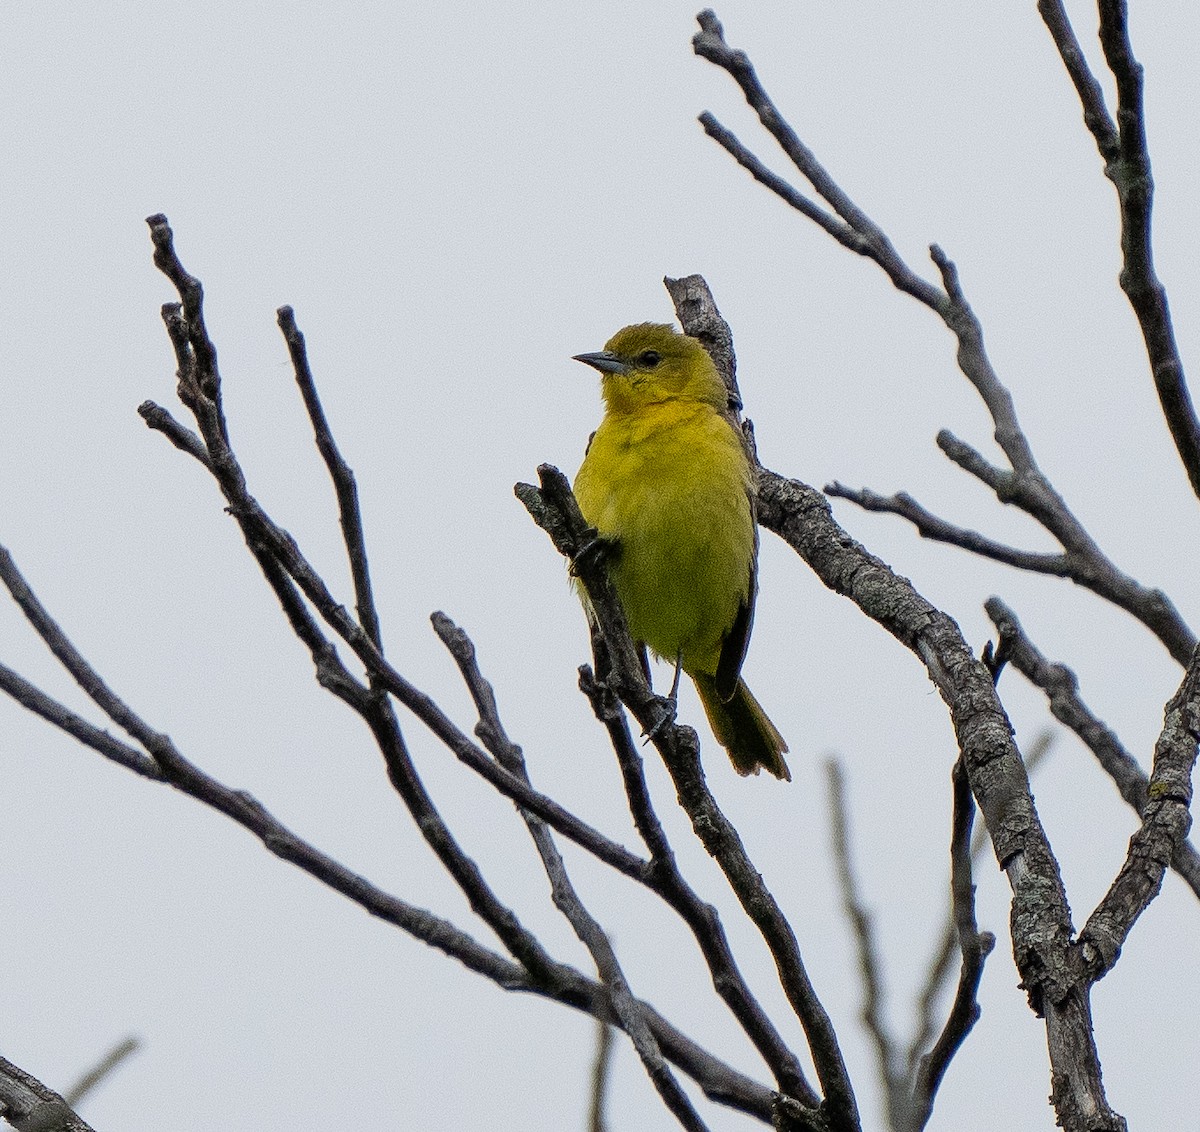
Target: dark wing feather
[737, 640]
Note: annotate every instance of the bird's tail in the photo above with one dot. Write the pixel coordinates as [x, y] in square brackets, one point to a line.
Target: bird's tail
[743, 729]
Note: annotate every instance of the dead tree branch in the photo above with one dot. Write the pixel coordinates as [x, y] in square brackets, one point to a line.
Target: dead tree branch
[1122, 147]
[30, 1106]
[1061, 687]
[1023, 484]
[1042, 931]
[103, 1068]
[554, 509]
[975, 946]
[563, 893]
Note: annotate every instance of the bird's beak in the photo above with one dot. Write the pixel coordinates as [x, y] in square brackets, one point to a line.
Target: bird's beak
[605, 361]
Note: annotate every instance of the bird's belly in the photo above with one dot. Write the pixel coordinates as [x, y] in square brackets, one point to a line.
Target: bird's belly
[678, 508]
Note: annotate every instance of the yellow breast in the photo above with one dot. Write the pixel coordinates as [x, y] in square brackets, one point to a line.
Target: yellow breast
[670, 485]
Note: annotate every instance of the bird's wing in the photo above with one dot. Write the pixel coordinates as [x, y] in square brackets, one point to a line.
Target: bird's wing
[737, 640]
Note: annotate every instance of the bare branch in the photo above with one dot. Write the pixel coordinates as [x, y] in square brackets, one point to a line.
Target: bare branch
[940, 964]
[1091, 94]
[858, 232]
[974, 945]
[1166, 819]
[1062, 693]
[159, 419]
[565, 897]
[199, 379]
[103, 1068]
[1025, 486]
[83, 674]
[340, 473]
[554, 509]
[278, 554]
[702, 918]
[170, 766]
[719, 1081]
[1122, 147]
[910, 1089]
[624, 1006]
[707, 326]
[601, 1075]
[30, 1106]
[1042, 928]
[862, 927]
[788, 193]
[35, 700]
[930, 526]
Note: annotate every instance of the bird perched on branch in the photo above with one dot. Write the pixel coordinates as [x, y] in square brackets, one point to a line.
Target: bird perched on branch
[669, 487]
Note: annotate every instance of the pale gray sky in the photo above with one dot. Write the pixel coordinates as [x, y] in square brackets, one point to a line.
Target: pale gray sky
[456, 199]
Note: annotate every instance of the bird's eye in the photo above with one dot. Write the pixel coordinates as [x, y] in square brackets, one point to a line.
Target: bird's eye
[648, 359]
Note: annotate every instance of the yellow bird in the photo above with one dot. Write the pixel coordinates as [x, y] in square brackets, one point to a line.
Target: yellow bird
[669, 487]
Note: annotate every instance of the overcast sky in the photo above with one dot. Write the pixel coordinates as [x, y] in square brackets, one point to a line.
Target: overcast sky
[455, 199]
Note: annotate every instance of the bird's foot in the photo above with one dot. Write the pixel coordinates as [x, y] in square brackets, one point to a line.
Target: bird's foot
[668, 707]
[595, 549]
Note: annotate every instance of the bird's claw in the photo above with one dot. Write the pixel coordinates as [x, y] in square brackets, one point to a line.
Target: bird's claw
[668, 706]
[594, 549]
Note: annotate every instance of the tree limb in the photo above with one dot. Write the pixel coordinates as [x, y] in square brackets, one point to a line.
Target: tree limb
[932, 527]
[1166, 819]
[1025, 486]
[720, 1082]
[1041, 924]
[30, 1106]
[975, 946]
[563, 893]
[1122, 146]
[553, 508]
[1061, 687]
[940, 964]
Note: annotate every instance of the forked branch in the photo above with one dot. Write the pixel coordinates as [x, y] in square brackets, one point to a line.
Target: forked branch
[1023, 483]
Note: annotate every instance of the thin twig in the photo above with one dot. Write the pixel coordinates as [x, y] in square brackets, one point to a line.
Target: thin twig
[563, 893]
[719, 1081]
[974, 945]
[932, 527]
[1122, 147]
[171, 767]
[1091, 94]
[103, 1068]
[35, 700]
[624, 1005]
[940, 965]
[857, 231]
[340, 473]
[862, 928]
[275, 549]
[663, 876]
[159, 419]
[702, 918]
[285, 567]
[601, 1076]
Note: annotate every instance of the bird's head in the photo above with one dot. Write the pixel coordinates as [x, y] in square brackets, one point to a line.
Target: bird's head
[652, 362]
